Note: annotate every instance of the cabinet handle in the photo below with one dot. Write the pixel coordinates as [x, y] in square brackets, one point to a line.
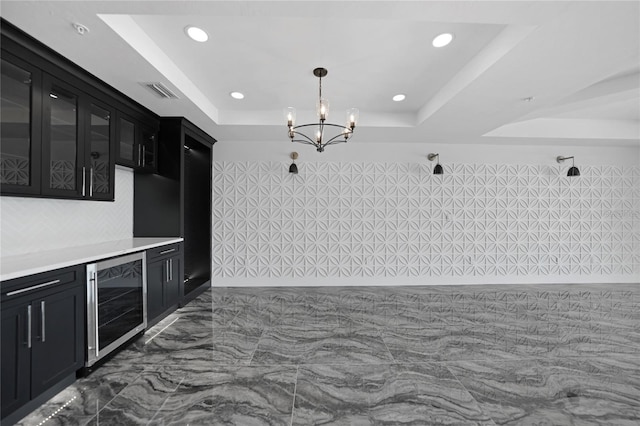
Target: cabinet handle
[91, 182]
[171, 269]
[42, 320]
[84, 178]
[168, 251]
[29, 326]
[13, 293]
[166, 275]
[139, 155]
[143, 154]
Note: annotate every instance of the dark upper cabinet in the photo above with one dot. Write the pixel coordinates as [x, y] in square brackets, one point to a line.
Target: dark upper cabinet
[20, 126]
[62, 149]
[99, 158]
[62, 130]
[136, 144]
[149, 142]
[77, 149]
[126, 142]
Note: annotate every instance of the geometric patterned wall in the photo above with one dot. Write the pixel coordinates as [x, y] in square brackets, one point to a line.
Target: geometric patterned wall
[399, 220]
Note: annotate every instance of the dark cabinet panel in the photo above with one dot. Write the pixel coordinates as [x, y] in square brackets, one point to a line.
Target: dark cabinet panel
[58, 342]
[177, 201]
[77, 149]
[137, 144]
[173, 287]
[20, 128]
[62, 147]
[99, 156]
[42, 335]
[126, 142]
[148, 140]
[155, 285]
[16, 356]
[164, 280]
[60, 136]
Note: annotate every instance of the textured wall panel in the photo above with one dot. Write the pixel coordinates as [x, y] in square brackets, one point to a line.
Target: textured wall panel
[368, 220]
[36, 224]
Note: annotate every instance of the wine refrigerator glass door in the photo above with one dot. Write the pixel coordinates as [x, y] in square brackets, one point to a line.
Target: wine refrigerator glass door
[116, 303]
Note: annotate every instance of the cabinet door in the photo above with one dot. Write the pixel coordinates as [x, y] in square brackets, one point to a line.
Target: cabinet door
[61, 150]
[16, 356]
[148, 142]
[156, 272]
[173, 286]
[126, 147]
[20, 126]
[58, 343]
[99, 158]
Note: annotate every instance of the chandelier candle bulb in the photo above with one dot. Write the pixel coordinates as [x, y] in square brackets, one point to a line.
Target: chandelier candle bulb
[352, 117]
[290, 116]
[323, 109]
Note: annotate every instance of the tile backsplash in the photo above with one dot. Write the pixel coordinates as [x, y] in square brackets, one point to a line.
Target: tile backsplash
[37, 224]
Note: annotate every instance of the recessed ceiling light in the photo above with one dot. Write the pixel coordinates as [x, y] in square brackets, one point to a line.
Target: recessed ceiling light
[442, 40]
[399, 98]
[236, 95]
[197, 34]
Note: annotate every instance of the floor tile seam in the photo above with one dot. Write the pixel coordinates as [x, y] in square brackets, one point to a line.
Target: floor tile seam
[256, 348]
[121, 390]
[381, 335]
[471, 395]
[295, 389]
[163, 329]
[169, 395]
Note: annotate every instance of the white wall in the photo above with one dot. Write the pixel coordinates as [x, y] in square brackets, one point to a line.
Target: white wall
[37, 224]
[363, 214]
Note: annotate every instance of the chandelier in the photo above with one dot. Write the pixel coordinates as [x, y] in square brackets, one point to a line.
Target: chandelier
[321, 132]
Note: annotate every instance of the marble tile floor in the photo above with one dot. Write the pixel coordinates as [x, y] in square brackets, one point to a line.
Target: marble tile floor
[450, 355]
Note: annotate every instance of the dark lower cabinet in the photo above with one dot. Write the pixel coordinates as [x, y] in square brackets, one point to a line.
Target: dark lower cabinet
[42, 338]
[164, 281]
[16, 358]
[55, 353]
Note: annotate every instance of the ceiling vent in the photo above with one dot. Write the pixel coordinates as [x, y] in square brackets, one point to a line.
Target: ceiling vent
[161, 90]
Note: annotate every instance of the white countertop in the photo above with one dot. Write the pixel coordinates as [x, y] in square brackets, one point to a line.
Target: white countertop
[33, 263]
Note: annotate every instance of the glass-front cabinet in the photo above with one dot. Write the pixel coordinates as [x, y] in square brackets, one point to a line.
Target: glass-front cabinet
[62, 131]
[127, 142]
[61, 150]
[19, 126]
[56, 141]
[77, 152]
[137, 144]
[149, 147]
[99, 158]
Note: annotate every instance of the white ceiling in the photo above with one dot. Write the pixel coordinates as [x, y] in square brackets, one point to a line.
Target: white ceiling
[580, 61]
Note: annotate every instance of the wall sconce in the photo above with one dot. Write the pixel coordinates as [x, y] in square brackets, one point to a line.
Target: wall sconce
[293, 168]
[437, 170]
[573, 171]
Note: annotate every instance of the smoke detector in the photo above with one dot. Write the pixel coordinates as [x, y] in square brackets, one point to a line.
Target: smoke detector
[80, 29]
